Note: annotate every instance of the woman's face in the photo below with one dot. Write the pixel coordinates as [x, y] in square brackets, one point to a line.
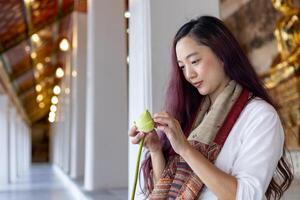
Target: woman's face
[201, 67]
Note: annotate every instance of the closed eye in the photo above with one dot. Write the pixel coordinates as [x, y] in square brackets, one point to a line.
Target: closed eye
[195, 61]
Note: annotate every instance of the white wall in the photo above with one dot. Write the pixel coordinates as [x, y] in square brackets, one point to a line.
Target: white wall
[13, 144]
[4, 141]
[106, 111]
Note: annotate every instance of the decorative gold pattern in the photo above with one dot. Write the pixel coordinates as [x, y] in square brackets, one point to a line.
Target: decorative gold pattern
[283, 79]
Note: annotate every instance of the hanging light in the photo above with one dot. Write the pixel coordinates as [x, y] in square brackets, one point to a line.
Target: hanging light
[52, 114]
[127, 14]
[35, 38]
[36, 74]
[39, 66]
[54, 100]
[59, 72]
[56, 90]
[53, 108]
[51, 117]
[39, 98]
[42, 105]
[64, 45]
[33, 55]
[47, 59]
[28, 1]
[51, 120]
[38, 87]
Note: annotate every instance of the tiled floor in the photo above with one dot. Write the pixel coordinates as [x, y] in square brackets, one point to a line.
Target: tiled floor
[43, 184]
[39, 184]
[76, 186]
[116, 194]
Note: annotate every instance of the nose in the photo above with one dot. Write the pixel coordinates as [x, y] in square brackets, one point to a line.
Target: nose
[190, 73]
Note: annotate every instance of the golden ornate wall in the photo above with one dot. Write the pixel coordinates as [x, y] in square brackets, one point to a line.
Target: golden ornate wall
[283, 79]
[269, 32]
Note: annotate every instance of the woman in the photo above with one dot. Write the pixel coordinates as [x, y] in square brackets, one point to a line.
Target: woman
[220, 136]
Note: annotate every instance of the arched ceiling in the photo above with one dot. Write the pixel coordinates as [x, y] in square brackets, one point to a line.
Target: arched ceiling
[30, 33]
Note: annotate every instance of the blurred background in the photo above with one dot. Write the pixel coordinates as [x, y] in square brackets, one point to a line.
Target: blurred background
[74, 74]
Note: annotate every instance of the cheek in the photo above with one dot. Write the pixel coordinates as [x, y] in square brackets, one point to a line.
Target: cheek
[215, 68]
[212, 74]
[205, 70]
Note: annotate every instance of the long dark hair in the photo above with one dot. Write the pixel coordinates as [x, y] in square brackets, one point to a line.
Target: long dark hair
[182, 99]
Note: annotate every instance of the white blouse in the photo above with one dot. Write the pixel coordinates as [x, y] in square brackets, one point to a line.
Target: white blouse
[251, 151]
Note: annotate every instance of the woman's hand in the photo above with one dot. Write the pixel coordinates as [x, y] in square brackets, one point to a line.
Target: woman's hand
[171, 127]
[151, 142]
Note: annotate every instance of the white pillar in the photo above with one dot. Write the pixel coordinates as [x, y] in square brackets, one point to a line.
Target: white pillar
[60, 135]
[12, 144]
[56, 147]
[66, 107]
[22, 148]
[55, 133]
[51, 145]
[106, 117]
[25, 148]
[20, 152]
[153, 24]
[24, 167]
[4, 141]
[78, 95]
[28, 148]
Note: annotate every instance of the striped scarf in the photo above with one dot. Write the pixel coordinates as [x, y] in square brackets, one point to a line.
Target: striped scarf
[209, 133]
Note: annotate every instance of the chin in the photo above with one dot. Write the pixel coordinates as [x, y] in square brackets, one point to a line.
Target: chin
[202, 91]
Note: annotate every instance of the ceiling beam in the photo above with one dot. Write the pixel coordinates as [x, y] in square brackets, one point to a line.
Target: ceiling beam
[11, 92]
[81, 6]
[19, 40]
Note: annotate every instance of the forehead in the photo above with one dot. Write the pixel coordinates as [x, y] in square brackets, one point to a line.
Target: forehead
[188, 45]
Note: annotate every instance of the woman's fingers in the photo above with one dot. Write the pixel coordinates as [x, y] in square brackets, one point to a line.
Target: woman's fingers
[133, 131]
[165, 129]
[164, 121]
[136, 136]
[136, 139]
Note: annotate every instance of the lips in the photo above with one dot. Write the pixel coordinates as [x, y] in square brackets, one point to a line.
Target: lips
[197, 84]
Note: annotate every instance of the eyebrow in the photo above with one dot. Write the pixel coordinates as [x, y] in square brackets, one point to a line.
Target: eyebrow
[190, 55]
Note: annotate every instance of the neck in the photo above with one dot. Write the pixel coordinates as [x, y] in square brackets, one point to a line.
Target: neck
[214, 95]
